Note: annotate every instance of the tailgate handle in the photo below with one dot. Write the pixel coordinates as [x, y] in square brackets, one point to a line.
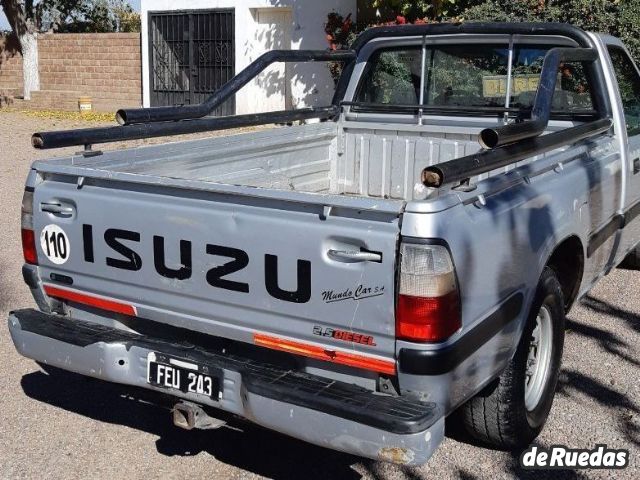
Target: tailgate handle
[350, 256]
[56, 209]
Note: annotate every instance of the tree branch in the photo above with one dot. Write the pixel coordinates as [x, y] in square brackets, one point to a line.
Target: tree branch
[15, 13]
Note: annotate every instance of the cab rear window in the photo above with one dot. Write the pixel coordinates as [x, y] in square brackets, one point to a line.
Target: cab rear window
[468, 76]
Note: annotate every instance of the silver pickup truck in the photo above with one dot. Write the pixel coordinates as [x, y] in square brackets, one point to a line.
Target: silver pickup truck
[354, 280]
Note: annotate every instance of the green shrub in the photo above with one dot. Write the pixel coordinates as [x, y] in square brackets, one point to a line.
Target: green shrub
[620, 18]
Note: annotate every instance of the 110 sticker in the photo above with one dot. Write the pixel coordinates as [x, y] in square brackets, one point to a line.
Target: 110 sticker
[55, 244]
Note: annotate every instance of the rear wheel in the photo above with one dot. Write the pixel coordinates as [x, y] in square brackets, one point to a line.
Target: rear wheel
[512, 410]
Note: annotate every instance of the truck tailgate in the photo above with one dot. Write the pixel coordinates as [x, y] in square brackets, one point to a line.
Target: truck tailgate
[248, 268]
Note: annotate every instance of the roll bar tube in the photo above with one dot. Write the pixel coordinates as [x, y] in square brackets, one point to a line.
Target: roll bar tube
[188, 112]
[462, 169]
[90, 136]
[541, 112]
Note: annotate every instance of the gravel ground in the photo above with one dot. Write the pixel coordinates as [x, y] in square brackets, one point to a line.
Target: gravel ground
[68, 426]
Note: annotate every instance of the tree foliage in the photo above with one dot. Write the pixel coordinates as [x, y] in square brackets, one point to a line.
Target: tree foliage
[70, 16]
[100, 16]
[620, 18]
[423, 9]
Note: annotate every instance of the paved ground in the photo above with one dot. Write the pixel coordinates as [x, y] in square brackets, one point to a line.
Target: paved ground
[72, 427]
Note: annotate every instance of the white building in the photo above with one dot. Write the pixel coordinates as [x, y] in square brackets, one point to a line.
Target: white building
[190, 48]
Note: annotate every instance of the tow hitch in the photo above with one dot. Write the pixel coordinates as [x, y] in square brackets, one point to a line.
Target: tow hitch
[188, 415]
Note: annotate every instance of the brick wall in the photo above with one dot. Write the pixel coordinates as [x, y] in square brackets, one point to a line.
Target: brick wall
[10, 64]
[104, 66]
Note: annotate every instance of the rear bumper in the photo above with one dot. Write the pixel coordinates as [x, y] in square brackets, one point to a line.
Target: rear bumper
[328, 413]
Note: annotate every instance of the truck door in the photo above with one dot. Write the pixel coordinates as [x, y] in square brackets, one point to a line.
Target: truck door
[628, 79]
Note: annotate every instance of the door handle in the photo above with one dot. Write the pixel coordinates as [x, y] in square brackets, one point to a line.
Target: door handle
[352, 256]
[57, 209]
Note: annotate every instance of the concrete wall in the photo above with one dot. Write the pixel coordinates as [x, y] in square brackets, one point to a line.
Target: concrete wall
[306, 84]
[104, 66]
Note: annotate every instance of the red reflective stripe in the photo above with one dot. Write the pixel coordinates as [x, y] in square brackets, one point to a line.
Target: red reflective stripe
[29, 246]
[319, 353]
[98, 302]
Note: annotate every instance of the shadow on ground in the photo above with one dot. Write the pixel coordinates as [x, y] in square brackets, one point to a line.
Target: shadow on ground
[572, 382]
[242, 445]
[512, 461]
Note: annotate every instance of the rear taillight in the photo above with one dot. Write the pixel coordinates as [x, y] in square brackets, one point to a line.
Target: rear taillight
[29, 247]
[428, 308]
[28, 235]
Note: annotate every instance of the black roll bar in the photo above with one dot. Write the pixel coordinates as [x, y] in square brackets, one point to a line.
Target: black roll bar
[89, 136]
[541, 111]
[491, 28]
[161, 121]
[185, 112]
[462, 169]
[595, 74]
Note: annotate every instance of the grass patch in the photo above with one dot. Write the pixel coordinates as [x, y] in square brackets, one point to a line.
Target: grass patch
[64, 115]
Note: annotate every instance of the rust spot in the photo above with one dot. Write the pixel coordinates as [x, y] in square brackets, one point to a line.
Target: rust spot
[396, 455]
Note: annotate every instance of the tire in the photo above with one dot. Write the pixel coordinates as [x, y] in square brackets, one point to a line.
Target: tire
[632, 260]
[504, 415]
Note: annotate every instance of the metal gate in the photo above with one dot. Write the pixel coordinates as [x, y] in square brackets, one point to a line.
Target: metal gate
[192, 55]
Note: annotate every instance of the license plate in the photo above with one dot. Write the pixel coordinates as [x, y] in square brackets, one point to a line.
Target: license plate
[182, 375]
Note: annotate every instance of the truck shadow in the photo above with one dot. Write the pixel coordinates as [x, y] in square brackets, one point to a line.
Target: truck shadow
[511, 462]
[240, 444]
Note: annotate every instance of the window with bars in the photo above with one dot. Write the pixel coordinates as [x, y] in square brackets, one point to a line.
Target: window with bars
[192, 54]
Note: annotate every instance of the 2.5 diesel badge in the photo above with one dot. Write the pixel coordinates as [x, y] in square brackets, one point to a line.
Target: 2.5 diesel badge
[344, 335]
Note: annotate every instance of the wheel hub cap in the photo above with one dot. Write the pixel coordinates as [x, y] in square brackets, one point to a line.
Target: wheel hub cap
[538, 360]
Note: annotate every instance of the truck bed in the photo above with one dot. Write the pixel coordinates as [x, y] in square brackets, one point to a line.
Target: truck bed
[321, 158]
